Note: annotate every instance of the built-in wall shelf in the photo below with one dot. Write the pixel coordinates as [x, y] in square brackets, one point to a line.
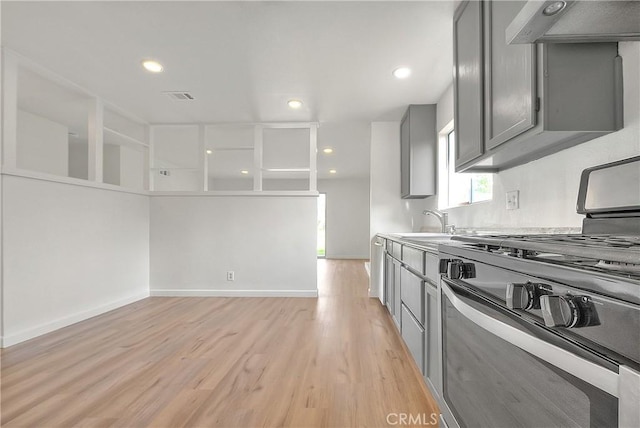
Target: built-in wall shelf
[56, 130]
[125, 137]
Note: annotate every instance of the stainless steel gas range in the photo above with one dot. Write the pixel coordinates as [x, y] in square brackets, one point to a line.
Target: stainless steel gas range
[544, 330]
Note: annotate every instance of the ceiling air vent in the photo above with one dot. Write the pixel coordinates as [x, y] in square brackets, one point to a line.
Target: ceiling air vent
[179, 95]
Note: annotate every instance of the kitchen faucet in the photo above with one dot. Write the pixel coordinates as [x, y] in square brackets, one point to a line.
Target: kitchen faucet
[443, 217]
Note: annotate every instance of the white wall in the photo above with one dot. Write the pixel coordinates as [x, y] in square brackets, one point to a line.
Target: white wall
[69, 253]
[389, 212]
[78, 159]
[177, 147]
[111, 164]
[177, 180]
[131, 168]
[347, 217]
[220, 183]
[125, 166]
[269, 242]
[42, 145]
[444, 110]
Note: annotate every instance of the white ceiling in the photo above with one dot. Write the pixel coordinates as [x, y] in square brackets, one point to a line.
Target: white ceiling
[243, 60]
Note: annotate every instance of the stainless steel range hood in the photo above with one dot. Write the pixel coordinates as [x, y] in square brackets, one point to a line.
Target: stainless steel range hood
[575, 21]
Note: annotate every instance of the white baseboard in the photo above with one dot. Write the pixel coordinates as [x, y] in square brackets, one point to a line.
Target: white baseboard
[48, 327]
[233, 293]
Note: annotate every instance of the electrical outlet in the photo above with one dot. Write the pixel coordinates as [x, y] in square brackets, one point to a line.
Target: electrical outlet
[513, 200]
[231, 275]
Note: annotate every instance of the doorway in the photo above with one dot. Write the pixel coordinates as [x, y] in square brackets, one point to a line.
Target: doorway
[322, 225]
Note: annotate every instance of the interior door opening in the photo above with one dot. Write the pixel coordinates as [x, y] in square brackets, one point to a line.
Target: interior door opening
[322, 218]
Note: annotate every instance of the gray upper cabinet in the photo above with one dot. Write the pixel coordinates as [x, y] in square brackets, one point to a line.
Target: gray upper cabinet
[536, 99]
[468, 81]
[418, 151]
[509, 70]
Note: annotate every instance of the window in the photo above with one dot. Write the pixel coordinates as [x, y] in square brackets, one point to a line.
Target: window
[457, 189]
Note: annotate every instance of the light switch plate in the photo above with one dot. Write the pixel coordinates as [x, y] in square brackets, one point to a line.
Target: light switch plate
[513, 200]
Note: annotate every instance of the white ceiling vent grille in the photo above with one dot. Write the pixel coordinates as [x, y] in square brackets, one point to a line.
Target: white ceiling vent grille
[179, 95]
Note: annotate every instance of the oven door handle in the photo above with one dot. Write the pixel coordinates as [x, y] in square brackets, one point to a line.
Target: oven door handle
[598, 376]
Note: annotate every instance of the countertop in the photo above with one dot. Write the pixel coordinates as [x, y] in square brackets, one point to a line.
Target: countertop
[430, 241]
[422, 241]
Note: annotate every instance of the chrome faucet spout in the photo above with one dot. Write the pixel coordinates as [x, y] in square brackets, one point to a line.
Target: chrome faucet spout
[442, 217]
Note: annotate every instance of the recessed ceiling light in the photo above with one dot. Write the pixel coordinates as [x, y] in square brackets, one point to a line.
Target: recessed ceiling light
[244, 171]
[332, 171]
[294, 104]
[402, 72]
[327, 150]
[152, 66]
[209, 152]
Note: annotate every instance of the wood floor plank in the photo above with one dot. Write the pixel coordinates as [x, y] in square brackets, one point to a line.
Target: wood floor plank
[334, 361]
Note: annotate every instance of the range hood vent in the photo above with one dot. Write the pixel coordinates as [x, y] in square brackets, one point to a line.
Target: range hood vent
[179, 95]
[575, 22]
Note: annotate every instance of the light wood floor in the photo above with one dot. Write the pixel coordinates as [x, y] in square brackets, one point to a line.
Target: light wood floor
[335, 361]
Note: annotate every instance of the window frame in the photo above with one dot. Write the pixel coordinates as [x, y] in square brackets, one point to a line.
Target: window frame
[446, 168]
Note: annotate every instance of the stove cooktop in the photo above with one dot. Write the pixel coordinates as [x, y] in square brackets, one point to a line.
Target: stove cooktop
[616, 254]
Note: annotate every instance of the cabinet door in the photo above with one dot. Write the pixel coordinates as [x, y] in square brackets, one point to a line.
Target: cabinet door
[432, 363]
[468, 81]
[397, 284]
[389, 281]
[510, 76]
[413, 335]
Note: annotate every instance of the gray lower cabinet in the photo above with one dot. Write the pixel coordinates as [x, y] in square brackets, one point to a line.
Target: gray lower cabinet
[413, 335]
[412, 293]
[432, 363]
[389, 283]
[396, 292]
[414, 258]
[517, 103]
[411, 296]
[392, 287]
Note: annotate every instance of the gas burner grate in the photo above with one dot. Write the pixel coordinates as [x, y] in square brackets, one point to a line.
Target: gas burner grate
[586, 240]
[621, 249]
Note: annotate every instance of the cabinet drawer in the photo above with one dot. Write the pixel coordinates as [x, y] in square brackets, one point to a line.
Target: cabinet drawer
[412, 294]
[432, 270]
[414, 258]
[413, 335]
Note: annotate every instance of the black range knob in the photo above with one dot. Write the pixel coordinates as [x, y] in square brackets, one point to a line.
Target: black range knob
[458, 269]
[559, 311]
[524, 296]
[444, 265]
[568, 311]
